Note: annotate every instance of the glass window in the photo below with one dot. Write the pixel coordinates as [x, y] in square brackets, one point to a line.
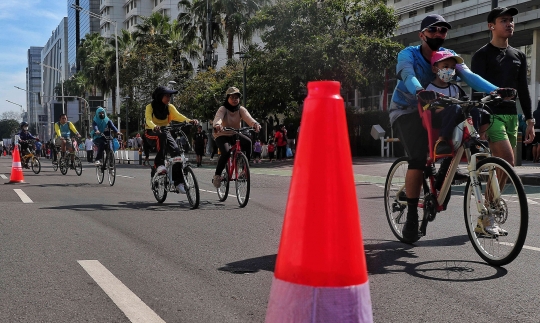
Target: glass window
[412, 14]
[429, 8]
[447, 3]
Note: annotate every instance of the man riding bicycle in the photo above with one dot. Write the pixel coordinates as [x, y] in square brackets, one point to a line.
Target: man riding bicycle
[63, 130]
[101, 125]
[159, 113]
[230, 114]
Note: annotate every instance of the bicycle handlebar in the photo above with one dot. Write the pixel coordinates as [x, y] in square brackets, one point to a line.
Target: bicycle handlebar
[238, 130]
[468, 104]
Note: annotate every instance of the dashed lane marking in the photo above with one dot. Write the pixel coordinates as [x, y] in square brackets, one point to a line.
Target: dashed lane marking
[129, 303]
[23, 196]
[3, 176]
[524, 247]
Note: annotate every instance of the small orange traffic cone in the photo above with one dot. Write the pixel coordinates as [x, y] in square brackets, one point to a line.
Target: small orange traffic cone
[321, 274]
[16, 168]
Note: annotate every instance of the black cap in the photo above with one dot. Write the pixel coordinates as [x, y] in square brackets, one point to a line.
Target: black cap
[434, 20]
[160, 90]
[499, 11]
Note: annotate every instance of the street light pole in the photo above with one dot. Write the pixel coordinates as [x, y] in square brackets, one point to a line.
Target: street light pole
[244, 58]
[22, 110]
[61, 79]
[91, 14]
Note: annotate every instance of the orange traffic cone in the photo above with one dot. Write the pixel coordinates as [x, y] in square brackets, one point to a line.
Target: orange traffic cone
[321, 273]
[16, 168]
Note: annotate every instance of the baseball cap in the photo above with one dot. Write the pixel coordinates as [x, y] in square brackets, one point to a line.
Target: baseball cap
[442, 55]
[499, 11]
[233, 90]
[160, 91]
[433, 20]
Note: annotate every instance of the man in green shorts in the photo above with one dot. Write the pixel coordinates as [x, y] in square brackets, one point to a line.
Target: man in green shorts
[506, 67]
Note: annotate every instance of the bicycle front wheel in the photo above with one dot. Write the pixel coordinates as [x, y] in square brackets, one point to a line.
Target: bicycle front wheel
[159, 187]
[100, 172]
[111, 168]
[63, 165]
[55, 165]
[506, 205]
[242, 180]
[36, 165]
[77, 165]
[223, 189]
[192, 187]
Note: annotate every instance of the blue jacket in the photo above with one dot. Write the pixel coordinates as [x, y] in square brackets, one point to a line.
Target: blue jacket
[25, 135]
[414, 73]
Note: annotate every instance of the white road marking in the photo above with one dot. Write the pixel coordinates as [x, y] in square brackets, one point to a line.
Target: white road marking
[125, 176]
[23, 196]
[524, 247]
[132, 306]
[3, 176]
[214, 192]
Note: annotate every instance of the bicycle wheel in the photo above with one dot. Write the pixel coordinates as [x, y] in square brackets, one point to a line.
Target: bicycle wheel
[395, 197]
[192, 187]
[159, 187]
[77, 165]
[55, 165]
[510, 211]
[111, 168]
[242, 180]
[36, 165]
[100, 172]
[63, 165]
[223, 189]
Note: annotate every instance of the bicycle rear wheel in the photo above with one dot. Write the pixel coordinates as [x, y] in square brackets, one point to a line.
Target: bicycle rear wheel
[510, 211]
[111, 167]
[63, 165]
[55, 165]
[192, 187]
[36, 165]
[242, 180]
[223, 189]
[77, 165]
[395, 197]
[159, 187]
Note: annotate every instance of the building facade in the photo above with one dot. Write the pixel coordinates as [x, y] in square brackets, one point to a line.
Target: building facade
[36, 115]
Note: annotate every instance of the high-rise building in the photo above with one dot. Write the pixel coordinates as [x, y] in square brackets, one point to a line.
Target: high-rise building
[36, 115]
[79, 25]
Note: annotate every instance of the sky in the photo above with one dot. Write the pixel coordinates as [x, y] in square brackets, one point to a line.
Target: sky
[23, 23]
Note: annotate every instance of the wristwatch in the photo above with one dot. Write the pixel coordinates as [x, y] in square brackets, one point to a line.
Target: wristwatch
[533, 121]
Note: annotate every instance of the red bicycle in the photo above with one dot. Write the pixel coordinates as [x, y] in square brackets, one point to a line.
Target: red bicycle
[237, 170]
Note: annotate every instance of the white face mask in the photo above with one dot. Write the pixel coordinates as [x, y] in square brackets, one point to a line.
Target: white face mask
[446, 74]
[25, 128]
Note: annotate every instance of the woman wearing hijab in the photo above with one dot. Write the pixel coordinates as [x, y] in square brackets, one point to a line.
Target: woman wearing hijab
[101, 125]
[158, 114]
[230, 115]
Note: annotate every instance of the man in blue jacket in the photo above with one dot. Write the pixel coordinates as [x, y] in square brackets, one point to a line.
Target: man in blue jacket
[414, 74]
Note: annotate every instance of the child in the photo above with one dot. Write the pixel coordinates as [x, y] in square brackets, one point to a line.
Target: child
[444, 66]
[257, 149]
[271, 149]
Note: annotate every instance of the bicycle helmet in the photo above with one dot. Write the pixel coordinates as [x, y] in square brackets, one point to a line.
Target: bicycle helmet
[24, 124]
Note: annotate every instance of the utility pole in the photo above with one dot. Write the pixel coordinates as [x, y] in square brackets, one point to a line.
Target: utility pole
[208, 50]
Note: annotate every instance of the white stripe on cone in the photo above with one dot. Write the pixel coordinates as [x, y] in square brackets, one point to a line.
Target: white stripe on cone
[293, 303]
[16, 165]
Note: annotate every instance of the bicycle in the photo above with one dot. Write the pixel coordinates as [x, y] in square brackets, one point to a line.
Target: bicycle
[493, 188]
[107, 162]
[30, 156]
[163, 183]
[64, 162]
[237, 170]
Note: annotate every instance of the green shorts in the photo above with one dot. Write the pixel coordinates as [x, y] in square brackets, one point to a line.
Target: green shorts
[503, 127]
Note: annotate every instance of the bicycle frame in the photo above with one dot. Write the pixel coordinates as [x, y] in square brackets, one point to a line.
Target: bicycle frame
[232, 169]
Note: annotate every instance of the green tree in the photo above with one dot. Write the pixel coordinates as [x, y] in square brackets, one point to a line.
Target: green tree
[8, 127]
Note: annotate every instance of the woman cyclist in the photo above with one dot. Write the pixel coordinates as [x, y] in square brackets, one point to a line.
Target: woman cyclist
[230, 115]
[159, 113]
[100, 124]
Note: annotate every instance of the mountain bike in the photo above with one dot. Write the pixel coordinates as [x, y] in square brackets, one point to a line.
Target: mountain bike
[493, 189]
[237, 170]
[107, 162]
[65, 163]
[163, 183]
[29, 157]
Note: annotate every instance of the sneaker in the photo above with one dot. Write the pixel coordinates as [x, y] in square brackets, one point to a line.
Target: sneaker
[161, 170]
[442, 148]
[410, 231]
[216, 181]
[487, 225]
[181, 189]
[98, 163]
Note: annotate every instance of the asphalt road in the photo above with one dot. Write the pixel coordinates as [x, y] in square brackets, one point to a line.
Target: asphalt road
[85, 252]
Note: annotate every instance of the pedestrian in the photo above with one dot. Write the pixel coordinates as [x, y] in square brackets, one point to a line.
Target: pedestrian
[271, 149]
[281, 142]
[291, 138]
[89, 147]
[257, 150]
[506, 67]
[39, 146]
[199, 142]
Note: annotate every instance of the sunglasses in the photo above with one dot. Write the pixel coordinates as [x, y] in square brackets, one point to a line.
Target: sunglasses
[434, 29]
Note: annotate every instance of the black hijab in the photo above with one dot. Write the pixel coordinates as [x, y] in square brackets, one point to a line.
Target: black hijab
[159, 109]
[229, 107]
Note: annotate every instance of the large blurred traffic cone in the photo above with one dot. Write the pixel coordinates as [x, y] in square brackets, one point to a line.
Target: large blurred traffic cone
[16, 167]
[321, 273]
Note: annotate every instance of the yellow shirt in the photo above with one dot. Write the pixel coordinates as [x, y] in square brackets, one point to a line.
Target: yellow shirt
[174, 115]
[64, 132]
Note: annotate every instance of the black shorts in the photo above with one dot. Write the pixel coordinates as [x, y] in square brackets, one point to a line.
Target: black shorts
[414, 139]
[199, 151]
